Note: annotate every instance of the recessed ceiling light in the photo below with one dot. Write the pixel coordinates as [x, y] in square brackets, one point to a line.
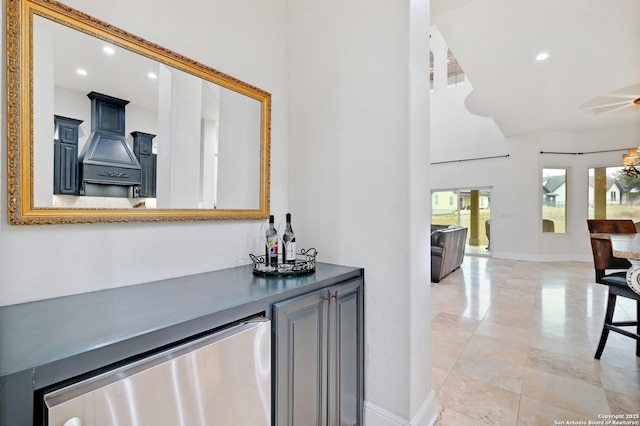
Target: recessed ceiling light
[81, 71]
[152, 75]
[108, 50]
[542, 56]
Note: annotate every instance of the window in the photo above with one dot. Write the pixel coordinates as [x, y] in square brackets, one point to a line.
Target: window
[554, 201]
[613, 194]
[455, 75]
[472, 211]
[431, 70]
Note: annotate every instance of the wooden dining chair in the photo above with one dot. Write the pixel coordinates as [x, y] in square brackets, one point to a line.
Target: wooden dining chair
[605, 265]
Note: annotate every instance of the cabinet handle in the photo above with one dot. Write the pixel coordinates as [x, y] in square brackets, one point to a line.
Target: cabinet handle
[333, 296]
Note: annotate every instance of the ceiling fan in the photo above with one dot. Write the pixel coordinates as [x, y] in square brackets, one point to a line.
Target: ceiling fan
[620, 100]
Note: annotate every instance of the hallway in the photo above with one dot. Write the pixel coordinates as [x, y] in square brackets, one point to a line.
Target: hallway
[513, 344]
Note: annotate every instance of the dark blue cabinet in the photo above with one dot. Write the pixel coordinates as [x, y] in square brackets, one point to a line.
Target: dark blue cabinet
[143, 150]
[65, 155]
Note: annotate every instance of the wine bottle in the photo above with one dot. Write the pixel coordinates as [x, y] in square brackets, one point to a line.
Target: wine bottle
[271, 257]
[289, 242]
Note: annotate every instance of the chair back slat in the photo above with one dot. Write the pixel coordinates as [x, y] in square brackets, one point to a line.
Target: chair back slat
[603, 257]
[611, 226]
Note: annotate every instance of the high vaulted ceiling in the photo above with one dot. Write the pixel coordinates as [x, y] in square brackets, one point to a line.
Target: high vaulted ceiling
[589, 81]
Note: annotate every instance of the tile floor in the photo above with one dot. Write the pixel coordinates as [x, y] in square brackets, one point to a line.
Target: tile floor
[513, 344]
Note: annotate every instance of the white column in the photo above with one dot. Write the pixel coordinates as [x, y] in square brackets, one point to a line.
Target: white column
[179, 123]
[43, 111]
[209, 164]
[209, 144]
[163, 139]
[358, 178]
[238, 151]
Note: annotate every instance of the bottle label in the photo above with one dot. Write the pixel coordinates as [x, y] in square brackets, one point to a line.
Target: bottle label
[272, 246]
[290, 251]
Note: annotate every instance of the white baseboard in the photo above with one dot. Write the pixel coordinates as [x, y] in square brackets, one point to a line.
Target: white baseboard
[542, 258]
[375, 415]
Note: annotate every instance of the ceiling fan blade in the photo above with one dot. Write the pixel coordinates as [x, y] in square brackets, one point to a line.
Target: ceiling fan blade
[611, 108]
[602, 101]
[632, 91]
[626, 109]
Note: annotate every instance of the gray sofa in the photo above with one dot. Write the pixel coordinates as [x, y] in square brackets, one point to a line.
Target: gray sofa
[447, 250]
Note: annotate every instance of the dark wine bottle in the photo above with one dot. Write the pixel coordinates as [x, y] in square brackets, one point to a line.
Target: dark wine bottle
[289, 242]
[271, 238]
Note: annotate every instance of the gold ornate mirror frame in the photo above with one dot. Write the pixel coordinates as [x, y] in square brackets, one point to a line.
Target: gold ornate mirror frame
[20, 116]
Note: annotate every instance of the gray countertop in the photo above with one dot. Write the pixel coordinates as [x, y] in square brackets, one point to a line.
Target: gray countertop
[43, 332]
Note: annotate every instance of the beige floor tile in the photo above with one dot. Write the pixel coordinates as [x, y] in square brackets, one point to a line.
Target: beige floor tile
[438, 376]
[621, 378]
[447, 323]
[481, 401]
[622, 346]
[446, 349]
[570, 394]
[498, 349]
[621, 403]
[565, 366]
[513, 344]
[473, 308]
[537, 413]
[515, 335]
[449, 417]
[550, 342]
[493, 371]
[520, 318]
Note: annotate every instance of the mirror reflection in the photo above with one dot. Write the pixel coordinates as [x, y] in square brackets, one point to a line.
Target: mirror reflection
[103, 126]
[203, 139]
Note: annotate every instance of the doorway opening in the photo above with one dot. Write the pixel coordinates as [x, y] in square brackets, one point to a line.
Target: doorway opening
[470, 207]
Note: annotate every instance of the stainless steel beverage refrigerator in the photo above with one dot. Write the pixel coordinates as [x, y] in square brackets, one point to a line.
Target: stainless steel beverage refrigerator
[218, 380]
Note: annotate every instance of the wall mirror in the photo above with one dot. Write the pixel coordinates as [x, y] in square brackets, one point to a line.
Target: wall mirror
[103, 126]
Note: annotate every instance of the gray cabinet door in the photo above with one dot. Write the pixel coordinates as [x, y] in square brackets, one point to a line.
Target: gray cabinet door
[345, 382]
[319, 357]
[300, 357]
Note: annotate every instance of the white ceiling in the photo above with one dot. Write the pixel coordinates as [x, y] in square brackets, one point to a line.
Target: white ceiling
[122, 74]
[594, 48]
[594, 52]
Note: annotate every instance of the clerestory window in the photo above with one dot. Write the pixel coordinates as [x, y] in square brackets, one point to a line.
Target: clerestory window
[455, 75]
[431, 70]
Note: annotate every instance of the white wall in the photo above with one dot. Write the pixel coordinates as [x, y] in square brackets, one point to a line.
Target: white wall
[516, 189]
[516, 230]
[356, 179]
[244, 39]
[358, 154]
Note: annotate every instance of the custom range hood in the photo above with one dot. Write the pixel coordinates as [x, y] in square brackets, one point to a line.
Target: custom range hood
[108, 168]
